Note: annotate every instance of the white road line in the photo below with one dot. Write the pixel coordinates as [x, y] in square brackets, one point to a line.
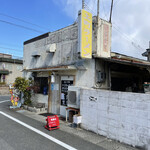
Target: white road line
[39, 132]
[4, 101]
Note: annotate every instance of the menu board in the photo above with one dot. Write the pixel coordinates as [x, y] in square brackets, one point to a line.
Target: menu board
[64, 91]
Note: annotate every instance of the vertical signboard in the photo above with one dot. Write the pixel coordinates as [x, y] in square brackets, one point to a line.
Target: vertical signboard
[103, 39]
[85, 34]
[64, 91]
[106, 38]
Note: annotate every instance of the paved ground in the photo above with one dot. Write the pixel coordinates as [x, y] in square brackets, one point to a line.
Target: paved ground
[14, 136]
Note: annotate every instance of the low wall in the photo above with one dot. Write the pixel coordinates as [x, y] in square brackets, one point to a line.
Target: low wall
[4, 90]
[122, 116]
[40, 98]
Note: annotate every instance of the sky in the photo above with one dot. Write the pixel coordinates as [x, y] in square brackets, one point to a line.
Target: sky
[21, 20]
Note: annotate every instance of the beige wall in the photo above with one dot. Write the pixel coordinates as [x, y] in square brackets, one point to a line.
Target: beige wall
[4, 90]
[14, 71]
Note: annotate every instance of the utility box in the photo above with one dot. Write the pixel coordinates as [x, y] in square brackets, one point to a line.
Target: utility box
[74, 97]
[77, 119]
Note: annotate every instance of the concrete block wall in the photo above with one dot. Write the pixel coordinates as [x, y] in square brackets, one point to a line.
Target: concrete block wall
[122, 116]
[4, 90]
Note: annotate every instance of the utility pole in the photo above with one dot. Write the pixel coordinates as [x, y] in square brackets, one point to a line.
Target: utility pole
[83, 4]
[111, 10]
[97, 12]
[49, 95]
[98, 8]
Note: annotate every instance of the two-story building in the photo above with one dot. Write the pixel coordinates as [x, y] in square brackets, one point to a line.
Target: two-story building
[10, 68]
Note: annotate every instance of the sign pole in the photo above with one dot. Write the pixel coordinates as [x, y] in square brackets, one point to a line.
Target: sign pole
[49, 95]
[83, 4]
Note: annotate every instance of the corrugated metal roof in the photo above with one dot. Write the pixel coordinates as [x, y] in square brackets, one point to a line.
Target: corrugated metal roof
[127, 62]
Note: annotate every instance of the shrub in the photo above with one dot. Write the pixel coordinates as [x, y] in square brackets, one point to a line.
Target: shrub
[26, 87]
[23, 85]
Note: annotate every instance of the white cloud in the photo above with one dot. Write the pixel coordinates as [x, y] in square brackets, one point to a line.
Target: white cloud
[133, 19]
[131, 28]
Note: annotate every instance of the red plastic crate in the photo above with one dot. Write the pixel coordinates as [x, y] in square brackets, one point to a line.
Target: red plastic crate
[52, 122]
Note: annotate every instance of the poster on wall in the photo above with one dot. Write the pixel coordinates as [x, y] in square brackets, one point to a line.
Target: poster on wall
[64, 91]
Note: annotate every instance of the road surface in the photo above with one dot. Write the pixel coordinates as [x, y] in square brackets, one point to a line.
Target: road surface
[19, 132]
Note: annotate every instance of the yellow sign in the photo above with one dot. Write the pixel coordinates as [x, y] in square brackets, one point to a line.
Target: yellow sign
[86, 34]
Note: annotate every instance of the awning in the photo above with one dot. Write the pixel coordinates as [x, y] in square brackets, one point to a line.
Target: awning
[128, 62]
[5, 72]
[56, 68]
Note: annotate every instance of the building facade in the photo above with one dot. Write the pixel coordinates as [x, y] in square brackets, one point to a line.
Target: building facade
[57, 54]
[10, 68]
[54, 61]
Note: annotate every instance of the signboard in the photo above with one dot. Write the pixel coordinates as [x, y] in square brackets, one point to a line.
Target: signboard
[85, 34]
[64, 91]
[54, 87]
[106, 37]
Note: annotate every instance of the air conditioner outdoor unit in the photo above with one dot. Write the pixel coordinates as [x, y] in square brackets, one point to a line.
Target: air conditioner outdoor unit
[74, 97]
[51, 48]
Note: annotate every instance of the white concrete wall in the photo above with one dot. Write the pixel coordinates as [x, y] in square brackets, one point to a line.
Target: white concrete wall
[66, 49]
[117, 115]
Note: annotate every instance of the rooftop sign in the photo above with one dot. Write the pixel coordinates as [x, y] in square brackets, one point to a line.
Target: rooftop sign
[85, 34]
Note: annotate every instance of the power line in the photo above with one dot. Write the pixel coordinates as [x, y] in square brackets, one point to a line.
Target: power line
[116, 2]
[128, 38]
[20, 26]
[8, 44]
[2, 14]
[88, 8]
[17, 50]
[104, 10]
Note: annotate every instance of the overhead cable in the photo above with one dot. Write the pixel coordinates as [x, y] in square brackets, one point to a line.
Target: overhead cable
[20, 26]
[17, 50]
[2, 14]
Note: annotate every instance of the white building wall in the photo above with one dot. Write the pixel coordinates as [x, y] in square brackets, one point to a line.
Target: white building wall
[15, 70]
[66, 49]
[117, 115]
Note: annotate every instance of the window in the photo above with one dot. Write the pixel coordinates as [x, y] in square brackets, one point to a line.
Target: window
[42, 82]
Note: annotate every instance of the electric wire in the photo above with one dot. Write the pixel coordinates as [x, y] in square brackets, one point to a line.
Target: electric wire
[8, 44]
[20, 26]
[128, 38]
[17, 50]
[87, 7]
[104, 10]
[132, 40]
[116, 2]
[21, 20]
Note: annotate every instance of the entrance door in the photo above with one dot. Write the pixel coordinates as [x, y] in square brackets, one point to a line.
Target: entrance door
[65, 82]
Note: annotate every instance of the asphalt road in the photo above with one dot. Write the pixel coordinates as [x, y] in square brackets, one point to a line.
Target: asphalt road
[19, 132]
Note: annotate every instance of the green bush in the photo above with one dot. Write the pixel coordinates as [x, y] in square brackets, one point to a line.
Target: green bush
[23, 86]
